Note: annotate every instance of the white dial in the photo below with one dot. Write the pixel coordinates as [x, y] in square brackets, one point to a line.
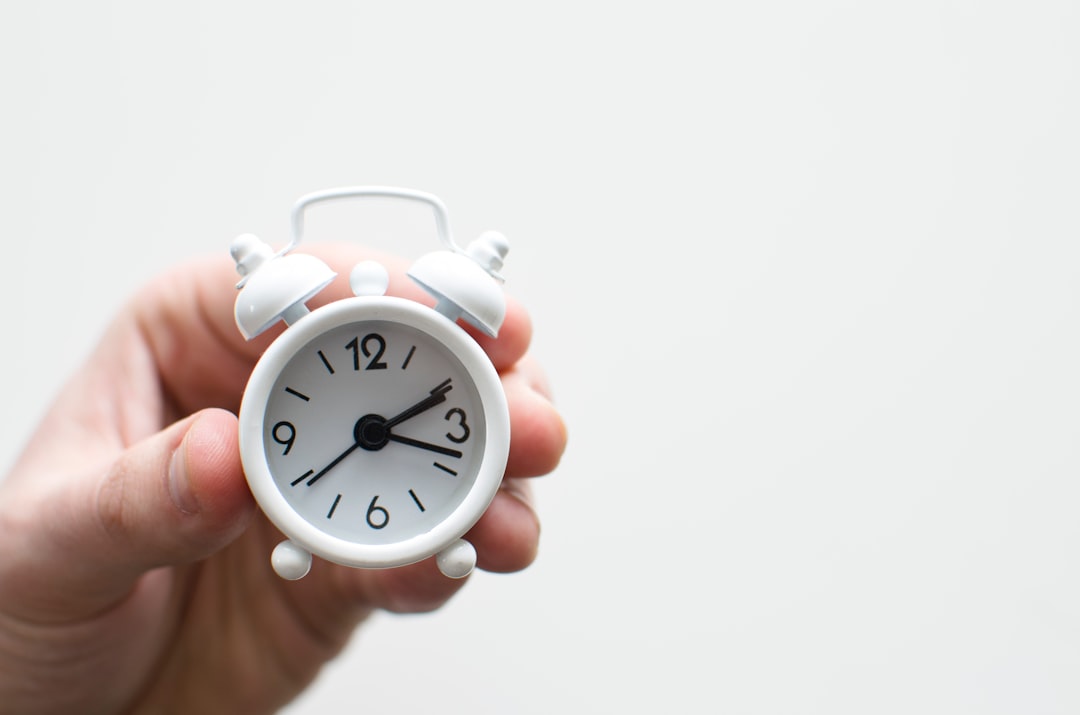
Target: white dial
[372, 422]
[374, 432]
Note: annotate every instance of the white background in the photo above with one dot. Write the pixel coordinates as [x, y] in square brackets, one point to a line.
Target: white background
[804, 276]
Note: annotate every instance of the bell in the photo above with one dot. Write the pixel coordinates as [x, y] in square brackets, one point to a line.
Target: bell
[466, 284]
[273, 287]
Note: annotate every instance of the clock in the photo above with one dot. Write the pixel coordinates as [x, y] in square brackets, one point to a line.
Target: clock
[374, 430]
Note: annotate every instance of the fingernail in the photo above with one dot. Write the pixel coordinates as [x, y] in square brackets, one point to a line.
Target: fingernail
[180, 484]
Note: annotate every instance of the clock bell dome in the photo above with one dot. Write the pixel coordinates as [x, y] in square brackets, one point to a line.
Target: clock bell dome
[466, 283]
[273, 287]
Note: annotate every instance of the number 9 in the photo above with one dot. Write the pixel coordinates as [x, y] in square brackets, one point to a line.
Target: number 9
[286, 441]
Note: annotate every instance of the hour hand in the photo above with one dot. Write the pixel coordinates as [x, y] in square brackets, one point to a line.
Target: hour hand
[437, 395]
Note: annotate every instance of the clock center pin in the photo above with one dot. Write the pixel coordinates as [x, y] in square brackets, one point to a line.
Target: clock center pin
[371, 432]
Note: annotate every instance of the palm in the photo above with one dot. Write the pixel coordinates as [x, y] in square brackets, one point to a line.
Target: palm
[220, 631]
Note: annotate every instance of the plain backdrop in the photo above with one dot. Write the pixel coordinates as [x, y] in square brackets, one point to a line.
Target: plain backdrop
[804, 276]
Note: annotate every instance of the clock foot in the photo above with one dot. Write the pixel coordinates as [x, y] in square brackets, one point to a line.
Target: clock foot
[291, 561]
[457, 560]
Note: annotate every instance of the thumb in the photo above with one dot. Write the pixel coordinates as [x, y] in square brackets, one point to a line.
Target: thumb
[173, 498]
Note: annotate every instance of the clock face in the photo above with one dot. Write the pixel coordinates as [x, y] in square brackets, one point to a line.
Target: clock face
[373, 431]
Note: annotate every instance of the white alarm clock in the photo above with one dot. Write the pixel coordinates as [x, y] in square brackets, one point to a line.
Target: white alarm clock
[374, 431]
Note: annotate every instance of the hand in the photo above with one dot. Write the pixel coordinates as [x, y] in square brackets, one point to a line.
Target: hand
[424, 445]
[437, 396]
[134, 566]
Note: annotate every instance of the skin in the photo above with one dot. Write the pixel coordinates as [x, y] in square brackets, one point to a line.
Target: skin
[134, 564]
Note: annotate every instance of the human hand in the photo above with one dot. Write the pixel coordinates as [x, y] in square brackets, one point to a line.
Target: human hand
[134, 565]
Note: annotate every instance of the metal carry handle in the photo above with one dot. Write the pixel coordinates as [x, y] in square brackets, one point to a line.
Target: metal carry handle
[442, 220]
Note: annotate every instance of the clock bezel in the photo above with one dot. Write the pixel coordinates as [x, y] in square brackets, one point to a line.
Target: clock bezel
[260, 478]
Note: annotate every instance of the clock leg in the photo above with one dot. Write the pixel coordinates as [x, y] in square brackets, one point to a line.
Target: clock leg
[290, 560]
[457, 560]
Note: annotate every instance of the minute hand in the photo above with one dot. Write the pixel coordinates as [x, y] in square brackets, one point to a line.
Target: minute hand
[437, 396]
[424, 445]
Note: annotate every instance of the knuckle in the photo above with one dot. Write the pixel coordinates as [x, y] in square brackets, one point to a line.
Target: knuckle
[113, 502]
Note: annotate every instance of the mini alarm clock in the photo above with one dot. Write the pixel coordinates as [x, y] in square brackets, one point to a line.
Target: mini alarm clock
[374, 430]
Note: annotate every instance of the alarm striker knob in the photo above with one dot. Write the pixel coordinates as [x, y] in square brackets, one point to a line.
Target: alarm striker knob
[249, 253]
[489, 249]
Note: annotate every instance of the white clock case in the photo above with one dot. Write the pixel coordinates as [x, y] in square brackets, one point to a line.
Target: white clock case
[252, 443]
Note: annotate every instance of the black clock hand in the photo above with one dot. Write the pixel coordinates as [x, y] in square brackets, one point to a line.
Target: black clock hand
[333, 464]
[424, 445]
[437, 395]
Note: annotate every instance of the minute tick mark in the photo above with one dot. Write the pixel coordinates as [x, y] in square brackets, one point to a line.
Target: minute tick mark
[301, 478]
[329, 367]
[301, 395]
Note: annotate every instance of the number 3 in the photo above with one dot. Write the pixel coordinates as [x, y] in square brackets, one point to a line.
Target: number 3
[461, 423]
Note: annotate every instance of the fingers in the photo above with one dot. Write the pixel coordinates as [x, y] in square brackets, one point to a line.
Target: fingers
[514, 337]
[417, 588]
[507, 537]
[538, 433]
[170, 499]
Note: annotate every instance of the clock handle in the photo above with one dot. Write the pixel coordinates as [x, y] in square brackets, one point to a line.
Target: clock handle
[442, 220]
